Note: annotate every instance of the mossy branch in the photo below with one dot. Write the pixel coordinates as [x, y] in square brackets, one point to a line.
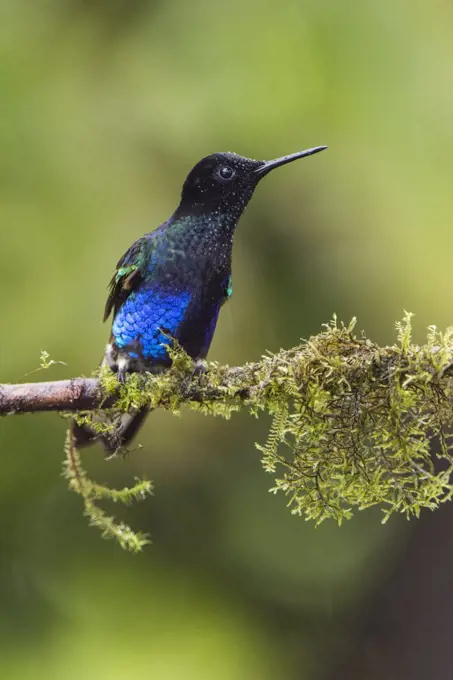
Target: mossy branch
[352, 422]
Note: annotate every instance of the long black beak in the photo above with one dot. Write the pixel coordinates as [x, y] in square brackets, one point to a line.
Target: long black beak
[277, 162]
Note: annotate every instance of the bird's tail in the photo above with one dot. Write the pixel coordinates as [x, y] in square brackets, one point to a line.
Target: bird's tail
[117, 431]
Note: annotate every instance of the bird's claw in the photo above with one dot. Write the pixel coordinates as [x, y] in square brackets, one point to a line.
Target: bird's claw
[199, 368]
[121, 376]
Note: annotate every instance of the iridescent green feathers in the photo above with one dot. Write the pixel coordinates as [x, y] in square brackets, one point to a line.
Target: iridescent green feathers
[129, 274]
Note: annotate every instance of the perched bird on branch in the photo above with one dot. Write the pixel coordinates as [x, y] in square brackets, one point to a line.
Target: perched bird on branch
[172, 282]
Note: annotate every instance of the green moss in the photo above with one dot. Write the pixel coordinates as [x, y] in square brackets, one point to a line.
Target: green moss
[91, 492]
[352, 424]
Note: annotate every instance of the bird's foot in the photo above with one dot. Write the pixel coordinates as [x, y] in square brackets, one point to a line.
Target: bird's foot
[121, 376]
[199, 368]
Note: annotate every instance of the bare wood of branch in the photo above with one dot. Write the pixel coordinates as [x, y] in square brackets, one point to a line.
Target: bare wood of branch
[83, 394]
[77, 394]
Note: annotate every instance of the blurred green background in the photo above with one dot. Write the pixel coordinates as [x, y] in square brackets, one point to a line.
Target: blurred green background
[105, 106]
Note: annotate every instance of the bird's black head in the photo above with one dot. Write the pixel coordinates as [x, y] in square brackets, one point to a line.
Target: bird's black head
[225, 181]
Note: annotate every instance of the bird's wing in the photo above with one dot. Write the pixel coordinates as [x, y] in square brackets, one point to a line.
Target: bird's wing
[129, 274]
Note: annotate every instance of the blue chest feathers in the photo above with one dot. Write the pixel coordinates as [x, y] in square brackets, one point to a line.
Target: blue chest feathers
[151, 316]
[143, 324]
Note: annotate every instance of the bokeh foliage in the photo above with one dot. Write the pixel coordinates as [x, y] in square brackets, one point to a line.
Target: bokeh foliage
[105, 106]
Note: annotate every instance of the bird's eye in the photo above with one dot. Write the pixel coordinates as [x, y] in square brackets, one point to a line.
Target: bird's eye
[226, 172]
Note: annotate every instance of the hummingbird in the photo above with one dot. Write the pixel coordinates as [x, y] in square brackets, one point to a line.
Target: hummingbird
[172, 282]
